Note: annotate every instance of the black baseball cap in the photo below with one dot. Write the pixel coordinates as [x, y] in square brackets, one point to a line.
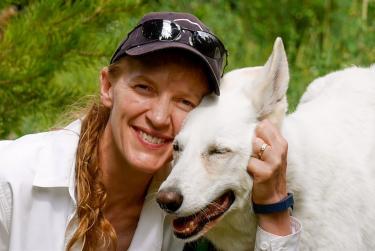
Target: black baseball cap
[208, 47]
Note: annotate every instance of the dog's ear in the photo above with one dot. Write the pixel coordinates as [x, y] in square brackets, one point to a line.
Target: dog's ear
[269, 96]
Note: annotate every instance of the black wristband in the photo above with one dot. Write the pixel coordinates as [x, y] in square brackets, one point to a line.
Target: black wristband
[280, 206]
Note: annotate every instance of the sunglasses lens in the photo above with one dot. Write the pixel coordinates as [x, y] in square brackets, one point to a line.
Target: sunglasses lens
[160, 30]
[208, 45]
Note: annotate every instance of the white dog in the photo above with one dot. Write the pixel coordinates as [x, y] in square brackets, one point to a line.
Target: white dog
[331, 158]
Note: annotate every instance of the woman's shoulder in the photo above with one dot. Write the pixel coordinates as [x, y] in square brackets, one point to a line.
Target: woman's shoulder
[23, 156]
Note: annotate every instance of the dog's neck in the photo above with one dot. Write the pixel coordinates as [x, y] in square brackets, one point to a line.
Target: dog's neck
[240, 225]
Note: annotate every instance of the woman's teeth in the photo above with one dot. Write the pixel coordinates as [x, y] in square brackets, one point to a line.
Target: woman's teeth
[151, 139]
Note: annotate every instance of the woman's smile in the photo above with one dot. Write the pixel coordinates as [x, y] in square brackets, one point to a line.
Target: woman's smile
[151, 140]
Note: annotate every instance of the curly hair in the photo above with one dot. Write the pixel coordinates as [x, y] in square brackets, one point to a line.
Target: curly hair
[94, 229]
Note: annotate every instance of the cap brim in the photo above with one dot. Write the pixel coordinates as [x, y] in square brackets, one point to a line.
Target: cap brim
[160, 45]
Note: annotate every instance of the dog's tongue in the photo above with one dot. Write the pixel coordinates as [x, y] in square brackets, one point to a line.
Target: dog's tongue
[185, 227]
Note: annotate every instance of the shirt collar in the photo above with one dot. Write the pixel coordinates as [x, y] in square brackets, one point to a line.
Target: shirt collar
[56, 159]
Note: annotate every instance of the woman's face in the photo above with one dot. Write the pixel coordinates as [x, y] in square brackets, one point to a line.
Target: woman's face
[148, 103]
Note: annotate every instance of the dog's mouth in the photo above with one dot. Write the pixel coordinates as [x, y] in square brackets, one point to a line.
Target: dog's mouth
[189, 226]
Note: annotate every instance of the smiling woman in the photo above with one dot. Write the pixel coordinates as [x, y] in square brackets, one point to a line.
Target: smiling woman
[149, 102]
[92, 185]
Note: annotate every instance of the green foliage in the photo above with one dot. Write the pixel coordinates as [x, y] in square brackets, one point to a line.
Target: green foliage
[52, 50]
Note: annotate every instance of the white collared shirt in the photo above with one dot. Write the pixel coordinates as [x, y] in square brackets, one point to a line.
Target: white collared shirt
[37, 199]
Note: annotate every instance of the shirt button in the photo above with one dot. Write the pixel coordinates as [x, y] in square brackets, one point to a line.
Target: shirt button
[264, 246]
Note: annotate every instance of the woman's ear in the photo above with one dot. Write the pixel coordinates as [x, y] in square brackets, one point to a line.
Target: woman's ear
[106, 90]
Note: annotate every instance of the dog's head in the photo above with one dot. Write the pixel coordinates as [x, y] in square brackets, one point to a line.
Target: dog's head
[209, 179]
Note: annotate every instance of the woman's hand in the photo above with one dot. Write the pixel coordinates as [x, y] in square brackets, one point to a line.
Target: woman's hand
[268, 169]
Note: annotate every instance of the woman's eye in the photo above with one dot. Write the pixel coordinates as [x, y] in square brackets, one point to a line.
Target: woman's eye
[142, 88]
[188, 103]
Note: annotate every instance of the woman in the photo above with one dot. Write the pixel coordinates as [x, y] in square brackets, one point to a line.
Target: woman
[91, 185]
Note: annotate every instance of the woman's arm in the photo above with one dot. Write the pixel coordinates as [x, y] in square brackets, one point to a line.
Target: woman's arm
[268, 169]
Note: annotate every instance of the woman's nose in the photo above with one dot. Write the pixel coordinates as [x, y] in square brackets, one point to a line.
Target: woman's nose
[159, 114]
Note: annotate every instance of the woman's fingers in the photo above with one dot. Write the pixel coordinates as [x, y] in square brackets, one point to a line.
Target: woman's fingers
[278, 146]
[259, 170]
[265, 131]
[268, 164]
[269, 133]
[261, 149]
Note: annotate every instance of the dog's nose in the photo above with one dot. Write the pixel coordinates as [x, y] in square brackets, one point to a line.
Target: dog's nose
[169, 200]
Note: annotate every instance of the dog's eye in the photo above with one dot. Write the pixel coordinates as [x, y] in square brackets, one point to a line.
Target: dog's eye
[176, 147]
[217, 150]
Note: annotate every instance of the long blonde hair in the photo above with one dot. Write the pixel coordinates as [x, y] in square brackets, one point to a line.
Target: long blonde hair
[93, 228]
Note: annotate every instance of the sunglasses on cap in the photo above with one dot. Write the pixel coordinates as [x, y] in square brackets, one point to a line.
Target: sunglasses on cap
[165, 30]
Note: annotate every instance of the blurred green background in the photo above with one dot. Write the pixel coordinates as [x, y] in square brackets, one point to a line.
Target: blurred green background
[52, 50]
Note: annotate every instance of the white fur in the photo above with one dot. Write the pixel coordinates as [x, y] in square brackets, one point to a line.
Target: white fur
[331, 159]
